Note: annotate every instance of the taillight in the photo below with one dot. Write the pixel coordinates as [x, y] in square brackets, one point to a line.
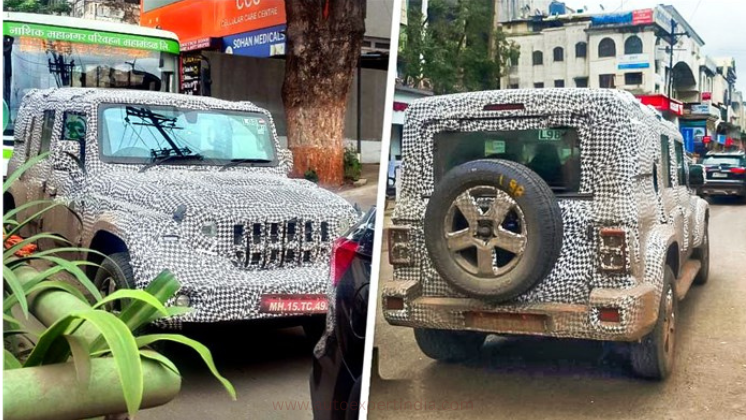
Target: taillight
[399, 253]
[738, 170]
[613, 250]
[343, 251]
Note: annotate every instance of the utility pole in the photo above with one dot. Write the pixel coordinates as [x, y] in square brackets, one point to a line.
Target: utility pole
[673, 39]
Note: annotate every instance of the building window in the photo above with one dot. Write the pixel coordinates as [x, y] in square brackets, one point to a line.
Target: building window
[581, 50]
[633, 45]
[633, 78]
[538, 58]
[581, 82]
[559, 54]
[538, 85]
[606, 81]
[559, 83]
[607, 48]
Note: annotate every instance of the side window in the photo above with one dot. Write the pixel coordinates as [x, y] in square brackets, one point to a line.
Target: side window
[74, 127]
[46, 132]
[680, 169]
[28, 135]
[665, 162]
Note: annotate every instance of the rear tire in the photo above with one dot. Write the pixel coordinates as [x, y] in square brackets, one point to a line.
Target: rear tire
[447, 345]
[653, 356]
[703, 255]
[114, 274]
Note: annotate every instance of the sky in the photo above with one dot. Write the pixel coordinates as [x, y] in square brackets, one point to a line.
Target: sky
[720, 23]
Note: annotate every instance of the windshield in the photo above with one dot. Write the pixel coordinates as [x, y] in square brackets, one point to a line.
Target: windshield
[722, 160]
[39, 63]
[142, 133]
[554, 153]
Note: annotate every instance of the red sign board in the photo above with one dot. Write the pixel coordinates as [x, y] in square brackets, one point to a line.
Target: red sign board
[662, 103]
[400, 106]
[706, 96]
[198, 19]
[642, 17]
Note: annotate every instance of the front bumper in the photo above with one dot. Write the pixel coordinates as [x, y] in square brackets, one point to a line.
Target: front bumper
[218, 291]
[637, 308]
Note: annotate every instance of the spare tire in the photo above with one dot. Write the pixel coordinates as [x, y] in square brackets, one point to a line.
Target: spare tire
[493, 229]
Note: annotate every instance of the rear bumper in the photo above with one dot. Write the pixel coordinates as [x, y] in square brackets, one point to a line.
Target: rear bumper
[723, 188]
[637, 308]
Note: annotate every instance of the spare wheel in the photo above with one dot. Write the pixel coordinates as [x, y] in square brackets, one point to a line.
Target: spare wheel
[493, 229]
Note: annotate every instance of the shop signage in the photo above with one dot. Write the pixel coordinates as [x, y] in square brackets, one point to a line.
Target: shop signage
[642, 17]
[262, 43]
[195, 44]
[706, 96]
[662, 103]
[85, 36]
[194, 19]
[191, 67]
[633, 61]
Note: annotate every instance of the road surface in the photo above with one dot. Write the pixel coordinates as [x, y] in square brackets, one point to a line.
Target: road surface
[569, 379]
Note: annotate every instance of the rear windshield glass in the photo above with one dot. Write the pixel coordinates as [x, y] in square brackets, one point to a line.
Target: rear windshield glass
[553, 153]
[722, 160]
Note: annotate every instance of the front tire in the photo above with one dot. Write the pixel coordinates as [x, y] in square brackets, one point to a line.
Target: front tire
[114, 274]
[447, 345]
[653, 356]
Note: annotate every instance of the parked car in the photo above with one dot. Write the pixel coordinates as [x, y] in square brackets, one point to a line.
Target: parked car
[550, 212]
[725, 173]
[338, 357]
[191, 184]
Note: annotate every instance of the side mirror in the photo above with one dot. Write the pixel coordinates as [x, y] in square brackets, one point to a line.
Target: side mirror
[285, 157]
[66, 156]
[696, 176]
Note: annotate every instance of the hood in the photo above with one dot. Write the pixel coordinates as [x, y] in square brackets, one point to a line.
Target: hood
[231, 194]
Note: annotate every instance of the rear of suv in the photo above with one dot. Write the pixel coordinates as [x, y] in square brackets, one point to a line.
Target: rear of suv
[553, 212]
[725, 174]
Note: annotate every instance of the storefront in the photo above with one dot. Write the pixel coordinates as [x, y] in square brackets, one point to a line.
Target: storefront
[253, 28]
[671, 109]
[699, 127]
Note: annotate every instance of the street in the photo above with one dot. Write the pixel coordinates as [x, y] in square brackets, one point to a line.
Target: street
[533, 378]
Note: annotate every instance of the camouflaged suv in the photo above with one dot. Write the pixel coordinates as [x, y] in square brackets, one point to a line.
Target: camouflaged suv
[195, 185]
[553, 212]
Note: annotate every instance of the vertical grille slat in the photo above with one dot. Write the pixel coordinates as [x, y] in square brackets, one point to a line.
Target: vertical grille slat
[273, 244]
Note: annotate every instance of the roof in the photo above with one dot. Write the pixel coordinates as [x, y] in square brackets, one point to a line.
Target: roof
[90, 24]
[95, 96]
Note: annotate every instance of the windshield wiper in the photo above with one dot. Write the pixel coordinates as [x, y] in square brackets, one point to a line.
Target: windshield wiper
[235, 162]
[181, 156]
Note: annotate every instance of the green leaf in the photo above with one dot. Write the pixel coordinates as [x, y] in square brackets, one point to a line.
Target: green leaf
[15, 286]
[18, 172]
[138, 295]
[200, 348]
[10, 320]
[72, 268]
[124, 350]
[154, 355]
[81, 359]
[52, 284]
[161, 288]
[8, 254]
[10, 361]
[31, 218]
[172, 311]
[8, 216]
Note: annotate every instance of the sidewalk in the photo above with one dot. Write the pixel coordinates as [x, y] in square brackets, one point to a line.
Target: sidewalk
[366, 195]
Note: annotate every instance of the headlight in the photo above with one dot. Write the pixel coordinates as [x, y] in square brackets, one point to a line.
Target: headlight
[342, 227]
[210, 229]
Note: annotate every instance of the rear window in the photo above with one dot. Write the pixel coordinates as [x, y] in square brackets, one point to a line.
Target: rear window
[553, 153]
[723, 160]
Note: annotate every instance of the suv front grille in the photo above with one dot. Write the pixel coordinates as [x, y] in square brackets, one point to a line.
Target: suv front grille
[280, 244]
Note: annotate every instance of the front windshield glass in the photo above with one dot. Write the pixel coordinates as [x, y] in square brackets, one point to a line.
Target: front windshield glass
[143, 133]
[38, 63]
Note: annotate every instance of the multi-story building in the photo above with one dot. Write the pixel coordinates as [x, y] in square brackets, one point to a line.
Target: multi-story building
[126, 11]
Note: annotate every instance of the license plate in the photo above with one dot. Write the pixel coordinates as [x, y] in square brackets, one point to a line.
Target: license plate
[719, 175]
[295, 304]
[507, 322]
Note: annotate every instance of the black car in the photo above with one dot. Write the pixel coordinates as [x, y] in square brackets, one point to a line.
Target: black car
[725, 174]
[338, 356]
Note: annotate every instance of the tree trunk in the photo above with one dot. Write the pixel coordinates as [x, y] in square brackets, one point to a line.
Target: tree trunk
[323, 49]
